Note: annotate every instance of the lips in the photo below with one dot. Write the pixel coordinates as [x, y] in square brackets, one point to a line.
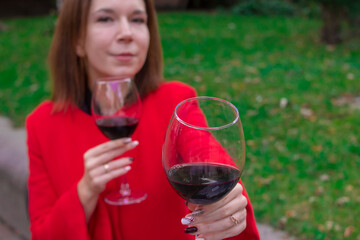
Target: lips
[126, 56]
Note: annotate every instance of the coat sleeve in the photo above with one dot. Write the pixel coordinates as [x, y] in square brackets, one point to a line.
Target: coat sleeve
[52, 216]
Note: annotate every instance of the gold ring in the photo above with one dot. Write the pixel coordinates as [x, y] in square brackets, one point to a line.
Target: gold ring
[106, 167]
[234, 220]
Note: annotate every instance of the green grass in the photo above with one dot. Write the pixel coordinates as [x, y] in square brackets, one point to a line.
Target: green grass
[23, 72]
[303, 160]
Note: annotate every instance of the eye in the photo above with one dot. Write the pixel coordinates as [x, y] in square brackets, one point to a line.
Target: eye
[105, 19]
[138, 20]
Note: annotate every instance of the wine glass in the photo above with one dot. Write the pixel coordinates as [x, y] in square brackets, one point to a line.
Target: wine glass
[204, 149]
[116, 108]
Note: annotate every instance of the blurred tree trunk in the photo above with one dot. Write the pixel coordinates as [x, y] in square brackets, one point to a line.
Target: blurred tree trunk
[355, 23]
[58, 4]
[353, 20]
[332, 15]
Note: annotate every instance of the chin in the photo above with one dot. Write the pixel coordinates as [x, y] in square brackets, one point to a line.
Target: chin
[124, 73]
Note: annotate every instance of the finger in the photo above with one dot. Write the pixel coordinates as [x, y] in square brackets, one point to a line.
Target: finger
[207, 208]
[200, 209]
[111, 166]
[236, 205]
[104, 147]
[234, 231]
[193, 207]
[235, 193]
[222, 225]
[104, 178]
[109, 155]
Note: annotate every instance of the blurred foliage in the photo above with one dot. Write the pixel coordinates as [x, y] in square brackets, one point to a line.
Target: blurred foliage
[208, 4]
[340, 19]
[338, 15]
[261, 7]
[264, 8]
[299, 102]
[24, 45]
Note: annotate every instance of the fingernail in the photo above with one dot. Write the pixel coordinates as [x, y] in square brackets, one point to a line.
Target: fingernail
[131, 159]
[127, 168]
[197, 212]
[134, 143]
[127, 140]
[199, 238]
[187, 220]
[191, 230]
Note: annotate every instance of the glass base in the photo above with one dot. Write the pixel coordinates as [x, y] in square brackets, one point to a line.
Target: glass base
[118, 199]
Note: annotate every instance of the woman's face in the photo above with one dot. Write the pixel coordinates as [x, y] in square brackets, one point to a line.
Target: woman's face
[117, 38]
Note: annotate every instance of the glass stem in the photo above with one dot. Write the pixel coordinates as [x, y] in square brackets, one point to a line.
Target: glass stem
[125, 187]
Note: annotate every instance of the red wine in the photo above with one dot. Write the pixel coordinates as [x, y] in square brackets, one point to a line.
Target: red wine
[117, 127]
[202, 183]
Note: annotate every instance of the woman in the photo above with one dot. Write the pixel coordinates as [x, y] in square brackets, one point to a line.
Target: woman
[71, 162]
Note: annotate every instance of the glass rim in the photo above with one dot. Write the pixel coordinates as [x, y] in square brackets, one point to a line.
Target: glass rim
[113, 79]
[237, 117]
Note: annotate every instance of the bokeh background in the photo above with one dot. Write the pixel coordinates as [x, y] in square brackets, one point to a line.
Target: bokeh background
[292, 67]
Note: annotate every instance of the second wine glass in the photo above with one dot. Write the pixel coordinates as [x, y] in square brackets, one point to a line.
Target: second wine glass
[204, 149]
[116, 108]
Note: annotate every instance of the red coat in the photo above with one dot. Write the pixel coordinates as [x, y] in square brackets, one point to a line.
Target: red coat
[56, 144]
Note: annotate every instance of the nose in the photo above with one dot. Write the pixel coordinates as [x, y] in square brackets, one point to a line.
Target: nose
[124, 30]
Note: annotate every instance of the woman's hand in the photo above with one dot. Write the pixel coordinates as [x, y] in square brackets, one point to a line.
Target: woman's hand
[223, 219]
[100, 168]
